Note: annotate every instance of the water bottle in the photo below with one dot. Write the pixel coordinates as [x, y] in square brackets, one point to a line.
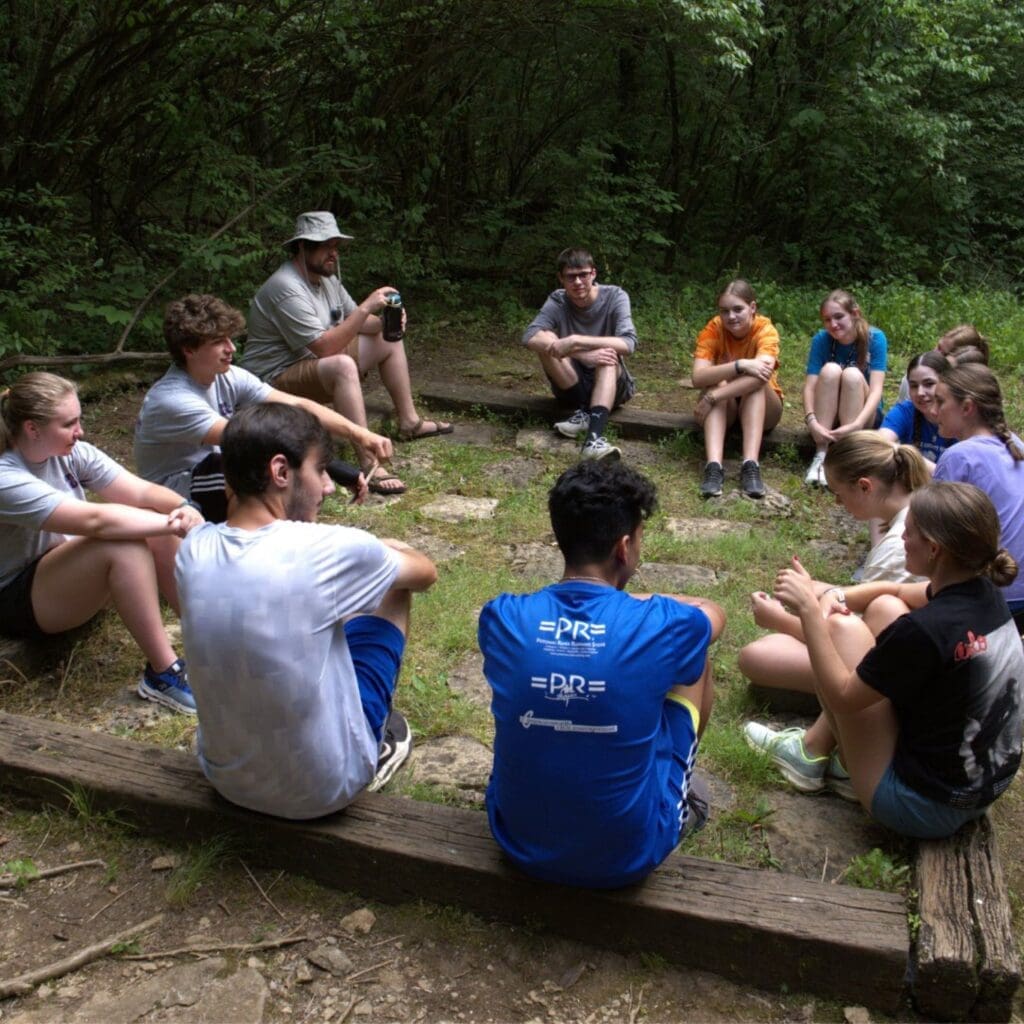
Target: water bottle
[392, 317]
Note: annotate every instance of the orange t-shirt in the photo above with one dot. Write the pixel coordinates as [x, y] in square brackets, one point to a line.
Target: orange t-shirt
[717, 345]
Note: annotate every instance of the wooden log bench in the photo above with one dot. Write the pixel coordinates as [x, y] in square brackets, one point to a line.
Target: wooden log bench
[630, 423]
[967, 965]
[755, 927]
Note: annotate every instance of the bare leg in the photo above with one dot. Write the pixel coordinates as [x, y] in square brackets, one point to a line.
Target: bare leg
[396, 608]
[779, 661]
[826, 396]
[715, 425]
[759, 411]
[605, 381]
[393, 365]
[700, 694]
[77, 578]
[163, 550]
[853, 390]
[867, 738]
[883, 611]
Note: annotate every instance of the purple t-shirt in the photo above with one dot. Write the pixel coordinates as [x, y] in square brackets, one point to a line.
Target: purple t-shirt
[986, 462]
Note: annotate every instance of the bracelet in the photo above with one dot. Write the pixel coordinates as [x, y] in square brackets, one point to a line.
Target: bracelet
[739, 372]
[839, 592]
[810, 416]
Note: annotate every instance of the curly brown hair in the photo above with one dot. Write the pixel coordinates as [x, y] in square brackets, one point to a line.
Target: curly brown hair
[192, 321]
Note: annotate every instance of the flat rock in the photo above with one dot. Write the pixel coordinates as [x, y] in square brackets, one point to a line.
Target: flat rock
[667, 578]
[165, 863]
[515, 472]
[774, 505]
[471, 432]
[458, 764]
[456, 508]
[190, 993]
[331, 959]
[536, 560]
[437, 549]
[702, 529]
[544, 439]
[467, 680]
[359, 922]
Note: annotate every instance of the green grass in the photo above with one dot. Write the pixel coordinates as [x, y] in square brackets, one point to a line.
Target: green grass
[198, 865]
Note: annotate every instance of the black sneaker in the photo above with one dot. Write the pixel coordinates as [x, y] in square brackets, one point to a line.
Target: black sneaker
[394, 749]
[750, 479]
[714, 477]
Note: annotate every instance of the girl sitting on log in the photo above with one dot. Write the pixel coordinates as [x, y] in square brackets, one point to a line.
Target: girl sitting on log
[928, 716]
[969, 408]
[63, 558]
[913, 421]
[872, 478]
[735, 364]
[845, 375]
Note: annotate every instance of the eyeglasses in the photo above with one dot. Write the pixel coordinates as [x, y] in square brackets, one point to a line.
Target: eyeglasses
[577, 275]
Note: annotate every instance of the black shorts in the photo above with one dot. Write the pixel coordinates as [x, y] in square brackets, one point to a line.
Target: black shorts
[578, 396]
[17, 619]
[207, 488]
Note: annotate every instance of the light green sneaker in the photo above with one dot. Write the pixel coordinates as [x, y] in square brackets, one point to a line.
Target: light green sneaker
[786, 749]
[837, 779]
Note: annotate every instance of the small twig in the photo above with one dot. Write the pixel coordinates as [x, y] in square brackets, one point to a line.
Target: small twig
[252, 877]
[366, 970]
[384, 942]
[24, 983]
[9, 881]
[824, 867]
[107, 906]
[634, 1011]
[348, 1009]
[270, 887]
[223, 906]
[67, 669]
[10, 664]
[219, 947]
[42, 843]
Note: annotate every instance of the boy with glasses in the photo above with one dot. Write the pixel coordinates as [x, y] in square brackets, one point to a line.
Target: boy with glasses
[582, 335]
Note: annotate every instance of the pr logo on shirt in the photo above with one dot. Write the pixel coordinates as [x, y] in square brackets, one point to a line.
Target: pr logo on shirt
[227, 410]
[71, 480]
[968, 648]
[558, 686]
[573, 629]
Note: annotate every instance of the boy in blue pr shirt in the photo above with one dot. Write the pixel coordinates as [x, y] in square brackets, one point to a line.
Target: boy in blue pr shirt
[599, 697]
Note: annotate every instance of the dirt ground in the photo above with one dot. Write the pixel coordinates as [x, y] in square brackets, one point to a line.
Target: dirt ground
[410, 963]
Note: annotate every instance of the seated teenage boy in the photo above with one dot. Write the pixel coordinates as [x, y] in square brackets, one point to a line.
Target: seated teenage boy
[183, 416]
[600, 696]
[296, 628]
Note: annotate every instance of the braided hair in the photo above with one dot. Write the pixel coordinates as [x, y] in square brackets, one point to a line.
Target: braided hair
[978, 383]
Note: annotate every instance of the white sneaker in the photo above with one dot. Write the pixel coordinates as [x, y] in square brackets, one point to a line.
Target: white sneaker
[576, 425]
[599, 448]
[816, 471]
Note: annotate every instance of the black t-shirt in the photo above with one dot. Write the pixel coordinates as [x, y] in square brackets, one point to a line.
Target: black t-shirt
[954, 671]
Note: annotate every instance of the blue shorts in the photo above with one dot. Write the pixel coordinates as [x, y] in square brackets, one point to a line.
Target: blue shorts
[376, 647]
[902, 809]
[689, 810]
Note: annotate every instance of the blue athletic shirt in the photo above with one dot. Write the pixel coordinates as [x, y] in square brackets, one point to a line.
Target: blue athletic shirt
[825, 349]
[900, 420]
[580, 792]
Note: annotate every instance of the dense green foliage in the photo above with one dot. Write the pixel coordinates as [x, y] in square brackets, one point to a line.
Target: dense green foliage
[465, 143]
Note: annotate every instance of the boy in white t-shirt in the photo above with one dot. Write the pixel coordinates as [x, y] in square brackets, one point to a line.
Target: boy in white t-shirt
[296, 629]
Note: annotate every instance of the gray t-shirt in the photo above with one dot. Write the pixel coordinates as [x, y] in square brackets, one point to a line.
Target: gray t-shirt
[177, 414]
[281, 723]
[287, 315]
[608, 316]
[31, 491]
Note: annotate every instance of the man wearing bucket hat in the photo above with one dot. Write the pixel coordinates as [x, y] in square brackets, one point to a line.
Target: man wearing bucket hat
[309, 337]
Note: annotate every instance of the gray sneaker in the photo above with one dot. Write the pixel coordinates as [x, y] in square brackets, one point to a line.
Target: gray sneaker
[750, 479]
[712, 481]
[786, 749]
[576, 425]
[837, 779]
[598, 448]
